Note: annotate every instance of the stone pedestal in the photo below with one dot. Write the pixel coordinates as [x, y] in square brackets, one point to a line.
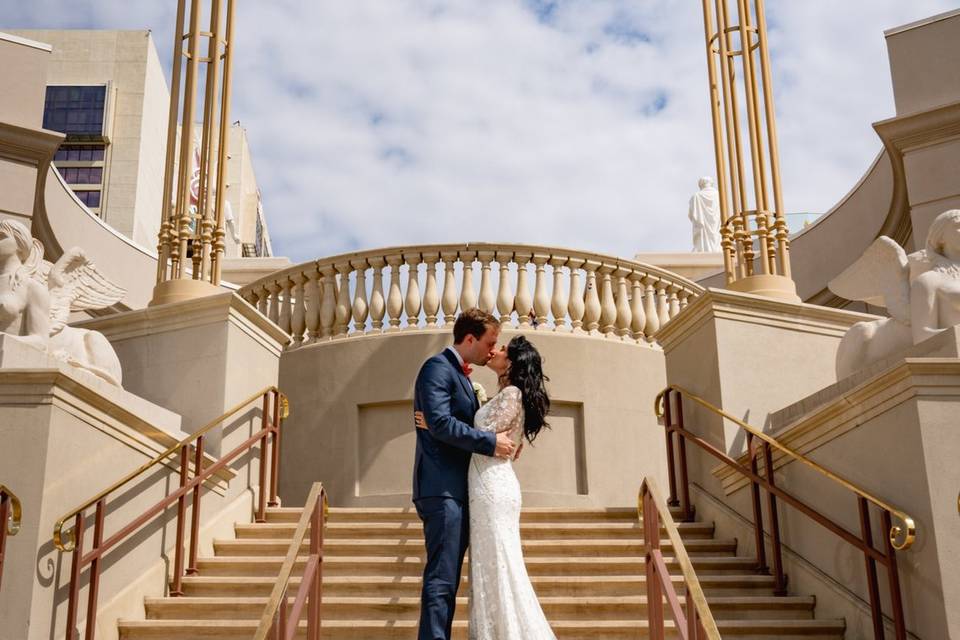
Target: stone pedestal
[198, 357]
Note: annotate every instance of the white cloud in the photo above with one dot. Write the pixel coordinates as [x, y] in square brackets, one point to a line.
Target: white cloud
[581, 123]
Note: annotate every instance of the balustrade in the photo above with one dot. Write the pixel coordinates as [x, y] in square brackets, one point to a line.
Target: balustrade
[423, 288]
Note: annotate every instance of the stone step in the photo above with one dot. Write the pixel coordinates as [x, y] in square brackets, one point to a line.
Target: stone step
[383, 630]
[392, 514]
[414, 547]
[528, 530]
[412, 565]
[409, 586]
[556, 608]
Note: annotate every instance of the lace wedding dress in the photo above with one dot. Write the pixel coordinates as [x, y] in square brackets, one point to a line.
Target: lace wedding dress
[503, 605]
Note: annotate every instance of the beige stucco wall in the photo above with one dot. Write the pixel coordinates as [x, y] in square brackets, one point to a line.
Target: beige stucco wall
[24, 61]
[351, 425]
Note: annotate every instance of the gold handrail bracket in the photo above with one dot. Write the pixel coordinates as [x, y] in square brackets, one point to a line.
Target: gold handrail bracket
[16, 512]
[902, 536]
[65, 541]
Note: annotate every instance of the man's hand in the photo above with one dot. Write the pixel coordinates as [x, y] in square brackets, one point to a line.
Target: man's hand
[419, 421]
[505, 447]
[516, 456]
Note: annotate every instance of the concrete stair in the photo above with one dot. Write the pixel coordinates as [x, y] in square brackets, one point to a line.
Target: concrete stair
[585, 564]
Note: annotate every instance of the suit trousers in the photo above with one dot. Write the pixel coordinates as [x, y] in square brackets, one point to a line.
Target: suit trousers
[446, 531]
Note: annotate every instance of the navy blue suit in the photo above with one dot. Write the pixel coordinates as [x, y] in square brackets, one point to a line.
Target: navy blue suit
[446, 398]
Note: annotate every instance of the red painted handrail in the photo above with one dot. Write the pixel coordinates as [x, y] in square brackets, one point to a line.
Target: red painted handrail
[273, 410]
[669, 406]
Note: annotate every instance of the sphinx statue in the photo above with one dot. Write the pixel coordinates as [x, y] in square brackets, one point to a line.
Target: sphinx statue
[920, 291]
[37, 297]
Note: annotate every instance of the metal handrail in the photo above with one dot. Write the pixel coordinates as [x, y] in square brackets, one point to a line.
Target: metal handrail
[909, 529]
[760, 448]
[698, 622]
[58, 527]
[268, 439]
[276, 623]
[11, 514]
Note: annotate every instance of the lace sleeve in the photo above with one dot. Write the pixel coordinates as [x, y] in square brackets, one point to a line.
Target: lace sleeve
[506, 409]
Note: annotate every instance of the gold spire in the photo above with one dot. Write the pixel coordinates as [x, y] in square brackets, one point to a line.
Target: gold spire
[756, 251]
[191, 232]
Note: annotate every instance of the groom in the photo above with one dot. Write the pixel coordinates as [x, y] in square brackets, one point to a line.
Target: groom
[445, 396]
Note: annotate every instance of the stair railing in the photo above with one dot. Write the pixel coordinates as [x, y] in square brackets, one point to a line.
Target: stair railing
[10, 517]
[760, 446]
[696, 623]
[274, 408]
[280, 621]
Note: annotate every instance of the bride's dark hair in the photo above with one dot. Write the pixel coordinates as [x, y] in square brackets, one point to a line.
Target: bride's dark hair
[526, 373]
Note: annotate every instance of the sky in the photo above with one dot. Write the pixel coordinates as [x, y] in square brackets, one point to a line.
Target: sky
[573, 123]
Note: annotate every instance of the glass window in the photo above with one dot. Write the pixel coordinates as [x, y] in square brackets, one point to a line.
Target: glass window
[83, 152]
[89, 198]
[75, 110]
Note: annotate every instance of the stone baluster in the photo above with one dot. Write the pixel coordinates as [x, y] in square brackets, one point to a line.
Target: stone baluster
[523, 302]
[684, 299]
[431, 297]
[592, 309]
[449, 297]
[639, 317]
[394, 297]
[608, 306]
[312, 293]
[263, 300]
[650, 308]
[541, 299]
[504, 295]
[487, 298]
[468, 299]
[663, 307]
[298, 320]
[413, 302]
[576, 307]
[673, 302]
[328, 303]
[250, 297]
[377, 303]
[558, 302]
[341, 324]
[624, 312]
[360, 306]
[274, 313]
[286, 306]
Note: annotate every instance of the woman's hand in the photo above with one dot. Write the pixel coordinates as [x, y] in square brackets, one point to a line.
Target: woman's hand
[419, 420]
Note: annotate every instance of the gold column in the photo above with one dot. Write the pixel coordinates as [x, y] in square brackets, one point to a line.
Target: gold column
[756, 251]
[191, 241]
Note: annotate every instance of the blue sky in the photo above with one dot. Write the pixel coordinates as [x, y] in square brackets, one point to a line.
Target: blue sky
[576, 123]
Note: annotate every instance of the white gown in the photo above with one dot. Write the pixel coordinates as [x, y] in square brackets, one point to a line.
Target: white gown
[503, 604]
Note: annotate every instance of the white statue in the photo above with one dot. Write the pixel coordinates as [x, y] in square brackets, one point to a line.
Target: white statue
[37, 297]
[704, 213]
[921, 291]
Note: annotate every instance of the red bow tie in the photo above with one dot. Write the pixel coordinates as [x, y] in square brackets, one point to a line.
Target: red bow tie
[467, 369]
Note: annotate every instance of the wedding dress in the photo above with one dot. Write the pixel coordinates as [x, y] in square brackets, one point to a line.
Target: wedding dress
[503, 605]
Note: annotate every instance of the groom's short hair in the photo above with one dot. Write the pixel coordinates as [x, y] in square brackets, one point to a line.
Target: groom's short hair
[473, 322]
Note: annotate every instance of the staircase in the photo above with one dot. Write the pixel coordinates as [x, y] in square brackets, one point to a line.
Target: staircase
[586, 566]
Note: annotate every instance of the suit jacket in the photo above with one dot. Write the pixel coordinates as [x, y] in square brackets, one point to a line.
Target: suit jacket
[446, 397]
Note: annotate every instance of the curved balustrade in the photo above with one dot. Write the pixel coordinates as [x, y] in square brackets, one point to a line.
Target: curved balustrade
[423, 287]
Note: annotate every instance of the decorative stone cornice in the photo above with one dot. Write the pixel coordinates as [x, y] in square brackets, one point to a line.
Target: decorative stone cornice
[35, 146]
[904, 381]
[721, 304]
[198, 312]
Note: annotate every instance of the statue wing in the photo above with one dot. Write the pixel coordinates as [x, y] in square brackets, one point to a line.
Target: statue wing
[76, 284]
[881, 277]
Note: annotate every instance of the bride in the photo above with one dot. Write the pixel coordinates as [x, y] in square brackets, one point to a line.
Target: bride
[503, 604]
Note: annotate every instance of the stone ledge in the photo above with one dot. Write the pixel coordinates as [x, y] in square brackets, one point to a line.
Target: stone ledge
[852, 407]
[721, 304]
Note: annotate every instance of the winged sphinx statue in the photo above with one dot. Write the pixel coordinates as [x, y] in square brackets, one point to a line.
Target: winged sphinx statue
[37, 298]
[920, 291]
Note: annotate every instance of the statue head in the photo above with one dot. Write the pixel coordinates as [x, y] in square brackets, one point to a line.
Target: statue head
[706, 182]
[943, 238]
[22, 241]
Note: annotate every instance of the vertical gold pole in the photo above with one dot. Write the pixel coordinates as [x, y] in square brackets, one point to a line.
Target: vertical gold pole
[224, 146]
[186, 139]
[201, 253]
[167, 219]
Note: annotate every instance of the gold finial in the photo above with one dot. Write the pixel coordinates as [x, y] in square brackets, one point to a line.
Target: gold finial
[756, 251]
